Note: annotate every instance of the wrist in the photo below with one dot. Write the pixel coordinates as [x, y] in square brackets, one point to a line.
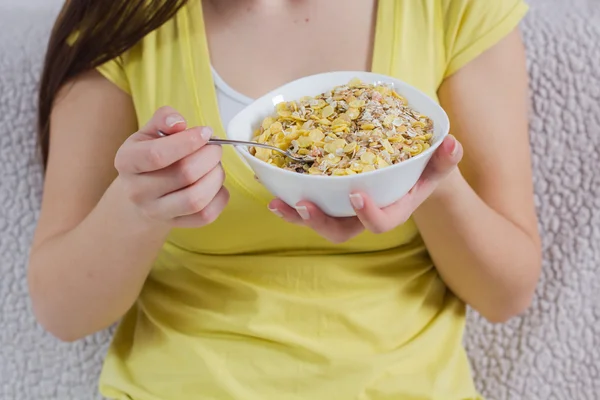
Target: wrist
[448, 192]
[451, 187]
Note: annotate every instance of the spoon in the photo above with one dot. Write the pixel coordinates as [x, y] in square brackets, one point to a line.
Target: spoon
[253, 144]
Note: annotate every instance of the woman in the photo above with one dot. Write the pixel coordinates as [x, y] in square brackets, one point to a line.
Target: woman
[226, 293]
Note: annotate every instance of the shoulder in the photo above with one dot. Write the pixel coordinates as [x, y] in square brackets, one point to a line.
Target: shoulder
[159, 42]
[457, 13]
[449, 33]
[453, 17]
[154, 52]
[472, 26]
[483, 6]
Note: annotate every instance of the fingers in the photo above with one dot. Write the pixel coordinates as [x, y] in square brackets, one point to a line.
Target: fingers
[146, 151]
[166, 120]
[208, 215]
[156, 154]
[191, 200]
[377, 220]
[444, 160]
[383, 220]
[182, 174]
[336, 230]
[174, 177]
[282, 210]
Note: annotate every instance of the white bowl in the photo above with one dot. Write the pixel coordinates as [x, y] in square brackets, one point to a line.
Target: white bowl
[331, 193]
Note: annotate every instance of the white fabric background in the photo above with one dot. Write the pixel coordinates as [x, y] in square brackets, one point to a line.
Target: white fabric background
[553, 353]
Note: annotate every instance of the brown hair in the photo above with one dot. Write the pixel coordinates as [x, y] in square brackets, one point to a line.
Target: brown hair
[105, 30]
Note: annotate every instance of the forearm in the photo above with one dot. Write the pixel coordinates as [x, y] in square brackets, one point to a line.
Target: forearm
[83, 280]
[484, 258]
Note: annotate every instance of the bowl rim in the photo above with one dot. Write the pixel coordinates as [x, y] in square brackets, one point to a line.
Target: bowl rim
[428, 152]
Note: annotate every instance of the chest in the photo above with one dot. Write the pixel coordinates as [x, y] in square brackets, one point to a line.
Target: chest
[256, 48]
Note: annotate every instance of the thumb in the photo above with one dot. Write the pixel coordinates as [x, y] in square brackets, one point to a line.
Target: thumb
[165, 120]
[445, 159]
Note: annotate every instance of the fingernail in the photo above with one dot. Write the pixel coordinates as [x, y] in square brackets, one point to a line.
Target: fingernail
[453, 145]
[276, 212]
[206, 133]
[303, 212]
[357, 201]
[173, 120]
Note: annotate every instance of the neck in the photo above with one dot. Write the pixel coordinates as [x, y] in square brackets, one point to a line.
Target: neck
[259, 6]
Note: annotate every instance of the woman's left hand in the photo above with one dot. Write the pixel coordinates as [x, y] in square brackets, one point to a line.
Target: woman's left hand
[368, 215]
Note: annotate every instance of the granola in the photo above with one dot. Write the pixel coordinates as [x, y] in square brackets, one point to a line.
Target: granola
[352, 129]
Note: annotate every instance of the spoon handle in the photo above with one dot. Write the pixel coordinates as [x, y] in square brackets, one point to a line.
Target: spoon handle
[236, 142]
[243, 143]
[233, 142]
[247, 144]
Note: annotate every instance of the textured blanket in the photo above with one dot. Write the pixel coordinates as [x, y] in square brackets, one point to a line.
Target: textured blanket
[552, 353]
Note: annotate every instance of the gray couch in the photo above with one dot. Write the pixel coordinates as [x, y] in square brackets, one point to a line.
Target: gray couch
[551, 353]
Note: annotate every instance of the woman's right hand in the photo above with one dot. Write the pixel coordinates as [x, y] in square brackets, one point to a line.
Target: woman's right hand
[175, 180]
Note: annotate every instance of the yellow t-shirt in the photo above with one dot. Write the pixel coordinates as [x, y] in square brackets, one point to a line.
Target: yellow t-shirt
[254, 308]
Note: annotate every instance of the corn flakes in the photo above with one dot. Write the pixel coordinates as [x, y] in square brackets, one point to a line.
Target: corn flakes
[351, 129]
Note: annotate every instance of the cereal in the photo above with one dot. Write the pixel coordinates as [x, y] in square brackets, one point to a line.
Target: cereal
[352, 129]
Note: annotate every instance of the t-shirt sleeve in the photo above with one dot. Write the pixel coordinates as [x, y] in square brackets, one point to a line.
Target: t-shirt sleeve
[114, 71]
[473, 26]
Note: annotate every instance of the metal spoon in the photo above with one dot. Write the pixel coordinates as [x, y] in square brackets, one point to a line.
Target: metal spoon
[254, 144]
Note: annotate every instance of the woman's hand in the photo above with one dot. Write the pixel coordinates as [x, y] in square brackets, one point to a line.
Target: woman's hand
[369, 216]
[176, 180]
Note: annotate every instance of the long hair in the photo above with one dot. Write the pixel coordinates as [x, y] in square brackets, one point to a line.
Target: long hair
[103, 30]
